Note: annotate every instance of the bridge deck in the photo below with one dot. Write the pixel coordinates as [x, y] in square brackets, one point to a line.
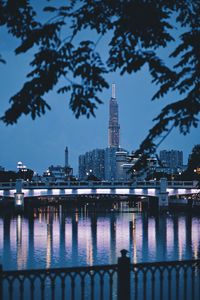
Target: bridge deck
[140, 188]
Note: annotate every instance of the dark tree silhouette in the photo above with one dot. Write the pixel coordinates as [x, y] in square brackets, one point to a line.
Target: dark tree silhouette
[6, 176]
[193, 168]
[26, 175]
[92, 177]
[194, 159]
[138, 29]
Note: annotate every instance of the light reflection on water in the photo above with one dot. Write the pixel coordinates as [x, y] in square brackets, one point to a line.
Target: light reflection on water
[58, 239]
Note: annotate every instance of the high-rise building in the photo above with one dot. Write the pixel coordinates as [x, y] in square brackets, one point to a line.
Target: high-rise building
[113, 128]
[113, 138]
[81, 167]
[123, 165]
[110, 163]
[172, 158]
[92, 162]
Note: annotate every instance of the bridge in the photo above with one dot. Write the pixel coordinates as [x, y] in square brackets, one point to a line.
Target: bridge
[161, 189]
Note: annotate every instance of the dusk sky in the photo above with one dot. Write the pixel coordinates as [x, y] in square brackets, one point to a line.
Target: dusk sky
[42, 142]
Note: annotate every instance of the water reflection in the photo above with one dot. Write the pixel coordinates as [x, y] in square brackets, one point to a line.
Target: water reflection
[54, 238]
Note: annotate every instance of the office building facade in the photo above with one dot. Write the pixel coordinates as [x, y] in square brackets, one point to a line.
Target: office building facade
[172, 159]
[92, 162]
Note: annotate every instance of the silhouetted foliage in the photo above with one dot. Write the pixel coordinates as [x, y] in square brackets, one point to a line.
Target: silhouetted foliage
[193, 169]
[158, 175]
[92, 177]
[137, 29]
[26, 175]
[6, 176]
[194, 159]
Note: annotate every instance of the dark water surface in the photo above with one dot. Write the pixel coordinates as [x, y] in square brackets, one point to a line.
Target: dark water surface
[56, 238]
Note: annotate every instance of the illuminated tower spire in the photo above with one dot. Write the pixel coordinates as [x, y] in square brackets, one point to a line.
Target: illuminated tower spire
[113, 128]
[113, 90]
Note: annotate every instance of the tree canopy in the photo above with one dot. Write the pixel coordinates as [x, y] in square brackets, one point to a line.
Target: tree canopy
[137, 30]
[193, 168]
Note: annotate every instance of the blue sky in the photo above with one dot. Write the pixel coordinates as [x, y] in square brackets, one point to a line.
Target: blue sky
[41, 143]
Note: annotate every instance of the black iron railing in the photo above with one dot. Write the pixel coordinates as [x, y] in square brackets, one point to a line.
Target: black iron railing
[166, 280]
[122, 281]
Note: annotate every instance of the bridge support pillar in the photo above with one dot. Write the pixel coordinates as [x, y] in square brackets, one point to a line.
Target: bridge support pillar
[163, 194]
[19, 196]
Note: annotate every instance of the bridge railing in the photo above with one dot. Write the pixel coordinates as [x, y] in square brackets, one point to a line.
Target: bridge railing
[122, 281]
[9, 185]
[90, 184]
[182, 183]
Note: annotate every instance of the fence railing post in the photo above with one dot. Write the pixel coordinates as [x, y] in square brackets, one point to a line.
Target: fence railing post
[123, 283]
[1, 282]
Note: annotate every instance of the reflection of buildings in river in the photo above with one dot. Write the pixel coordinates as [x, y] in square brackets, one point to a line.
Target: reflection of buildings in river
[188, 236]
[89, 245]
[152, 238]
[31, 239]
[170, 237]
[94, 236]
[182, 237]
[103, 238]
[176, 236]
[61, 251]
[138, 238]
[161, 237]
[1, 237]
[179, 237]
[122, 233]
[80, 240]
[112, 257]
[145, 224]
[68, 238]
[6, 239]
[22, 243]
[133, 239]
[49, 239]
[85, 246]
[195, 237]
[74, 238]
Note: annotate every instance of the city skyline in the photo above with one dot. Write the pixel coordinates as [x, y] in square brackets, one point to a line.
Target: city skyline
[41, 143]
[50, 154]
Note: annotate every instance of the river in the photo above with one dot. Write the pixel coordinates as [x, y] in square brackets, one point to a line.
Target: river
[57, 238]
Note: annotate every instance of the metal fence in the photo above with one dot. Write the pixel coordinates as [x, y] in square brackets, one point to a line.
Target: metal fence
[166, 280]
[122, 281]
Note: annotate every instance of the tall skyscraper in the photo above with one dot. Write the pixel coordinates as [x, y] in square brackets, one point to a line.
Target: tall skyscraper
[113, 128]
[102, 162]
